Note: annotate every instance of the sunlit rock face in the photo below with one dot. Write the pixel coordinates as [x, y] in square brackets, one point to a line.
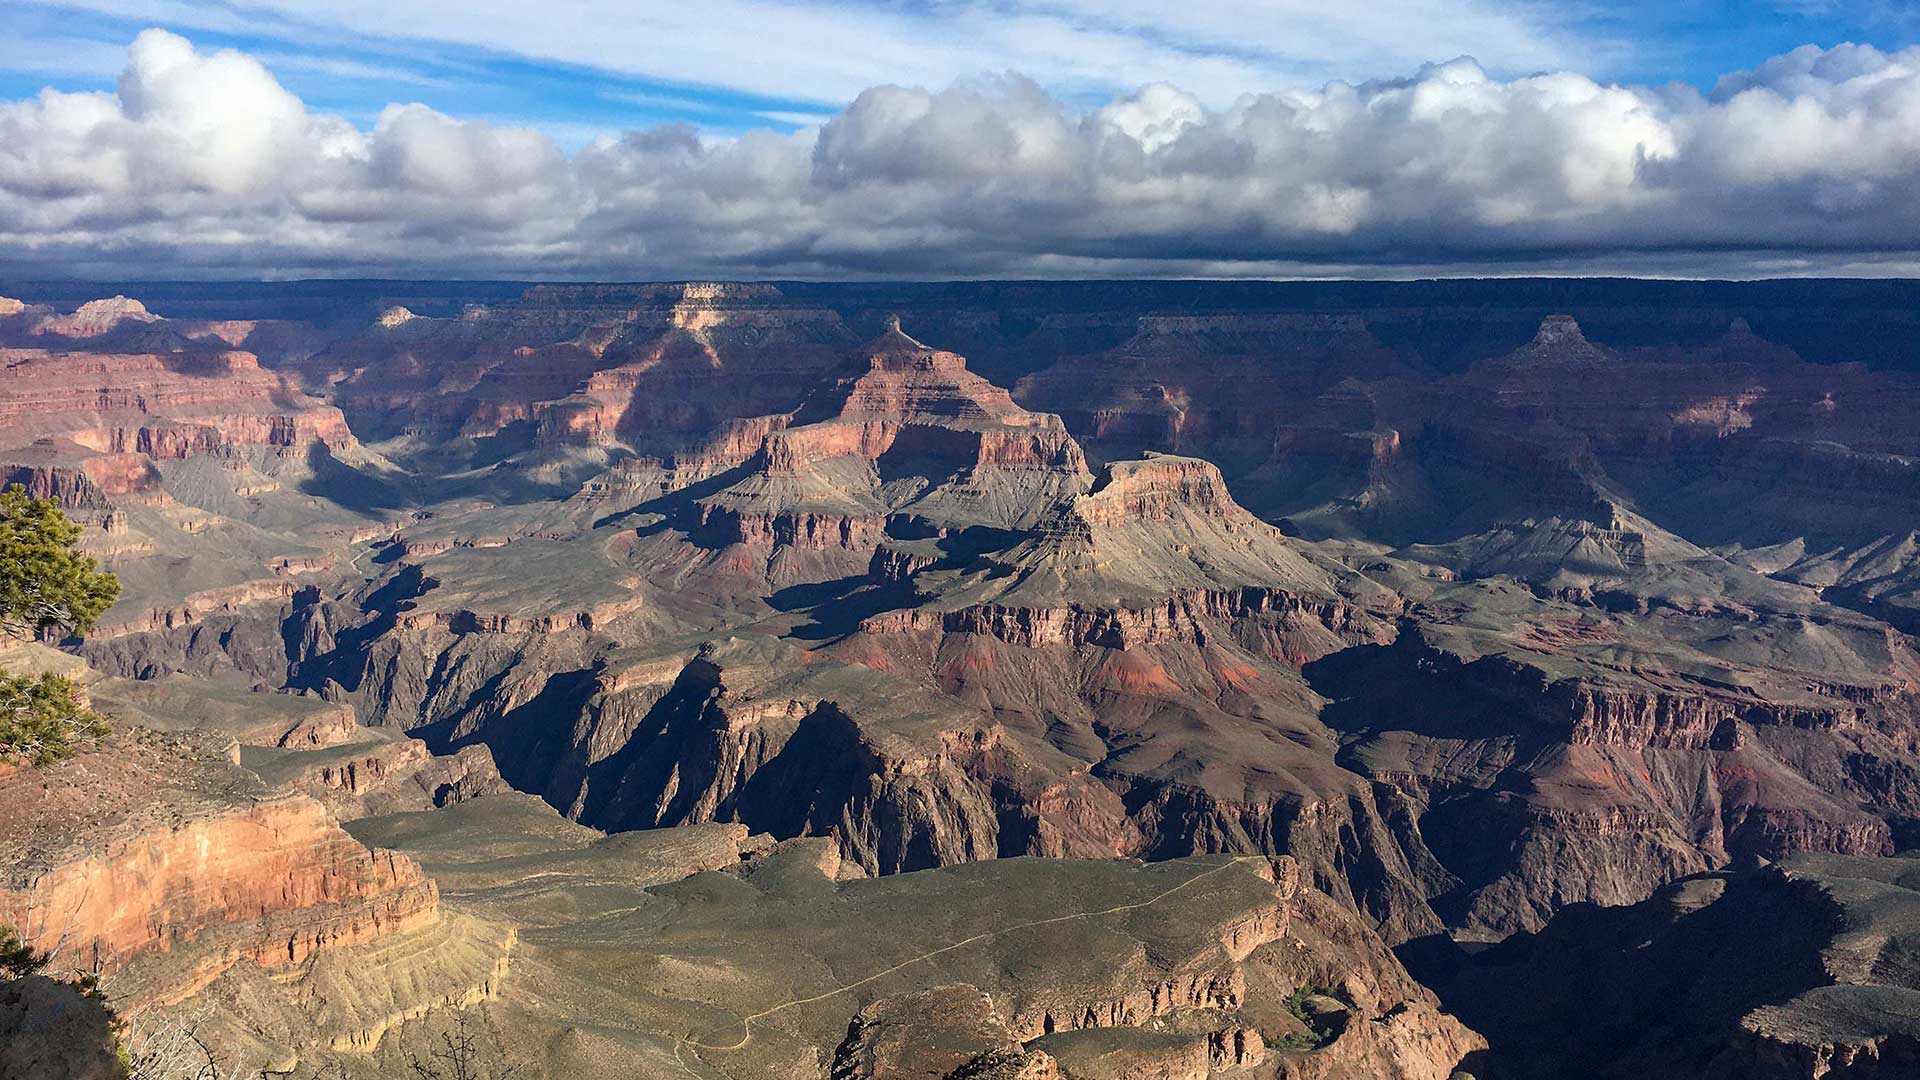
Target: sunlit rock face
[1470, 608]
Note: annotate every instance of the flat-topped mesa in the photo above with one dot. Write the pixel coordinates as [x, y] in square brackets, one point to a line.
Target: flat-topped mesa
[1157, 488]
[1558, 341]
[1559, 329]
[164, 406]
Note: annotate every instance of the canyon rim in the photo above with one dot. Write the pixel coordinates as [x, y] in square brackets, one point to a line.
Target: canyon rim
[1043, 541]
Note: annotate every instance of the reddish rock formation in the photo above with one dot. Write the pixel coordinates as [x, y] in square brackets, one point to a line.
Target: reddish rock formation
[647, 366]
[163, 406]
[1510, 618]
[826, 477]
[96, 317]
[80, 478]
[157, 842]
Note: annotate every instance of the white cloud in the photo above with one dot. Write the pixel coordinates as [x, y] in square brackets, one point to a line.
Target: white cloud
[205, 155]
[340, 67]
[827, 51]
[202, 162]
[797, 119]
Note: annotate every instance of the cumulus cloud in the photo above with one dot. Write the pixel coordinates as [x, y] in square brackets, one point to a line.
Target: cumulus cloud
[201, 162]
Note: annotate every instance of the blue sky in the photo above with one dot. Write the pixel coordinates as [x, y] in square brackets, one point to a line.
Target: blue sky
[581, 67]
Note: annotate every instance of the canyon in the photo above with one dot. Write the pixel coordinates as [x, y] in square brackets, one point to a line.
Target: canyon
[980, 679]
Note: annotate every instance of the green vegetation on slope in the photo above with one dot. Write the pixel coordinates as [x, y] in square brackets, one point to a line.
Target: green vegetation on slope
[46, 584]
[42, 719]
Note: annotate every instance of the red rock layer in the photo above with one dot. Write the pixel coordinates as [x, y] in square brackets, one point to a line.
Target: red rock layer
[87, 427]
[258, 864]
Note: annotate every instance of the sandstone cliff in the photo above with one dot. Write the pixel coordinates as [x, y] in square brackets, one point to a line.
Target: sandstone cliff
[159, 843]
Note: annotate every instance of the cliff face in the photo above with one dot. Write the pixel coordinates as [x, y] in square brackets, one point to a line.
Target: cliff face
[1674, 984]
[1121, 658]
[286, 868]
[160, 406]
[649, 367]
[916, 436]
[159, 844]
[1473, 616]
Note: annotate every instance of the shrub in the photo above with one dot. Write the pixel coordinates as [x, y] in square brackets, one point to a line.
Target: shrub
[42, 720]
[45, 583]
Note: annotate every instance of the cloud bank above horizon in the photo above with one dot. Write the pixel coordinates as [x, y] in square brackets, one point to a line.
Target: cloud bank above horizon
[201, 162]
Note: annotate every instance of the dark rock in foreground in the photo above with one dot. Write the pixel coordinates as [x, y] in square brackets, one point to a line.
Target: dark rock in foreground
[1802, 969]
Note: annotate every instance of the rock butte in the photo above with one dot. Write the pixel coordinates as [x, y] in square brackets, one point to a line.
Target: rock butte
[674, 676]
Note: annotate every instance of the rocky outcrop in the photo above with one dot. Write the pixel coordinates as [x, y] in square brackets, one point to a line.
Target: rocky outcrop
[717, 741]
[159, 843]
[927, 1033]
[1185, 617]
[51, 1031]
[383, 777]
[1625, 599]
[1675, 984]
[1377, 1021]
[81, 480]
[808, 530]
[196, 608]
[916, 434]
[162, 406]
[96, 317]
[461, 620]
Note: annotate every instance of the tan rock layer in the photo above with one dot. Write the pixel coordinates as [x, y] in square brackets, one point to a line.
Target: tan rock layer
[283, 864]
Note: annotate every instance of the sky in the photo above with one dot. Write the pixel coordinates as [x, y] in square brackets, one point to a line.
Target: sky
[950, 138]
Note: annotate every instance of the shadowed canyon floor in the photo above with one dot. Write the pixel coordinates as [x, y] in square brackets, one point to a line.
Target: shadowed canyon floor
[856, 681]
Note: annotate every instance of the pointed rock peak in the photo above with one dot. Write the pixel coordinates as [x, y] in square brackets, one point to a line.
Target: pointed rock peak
[1559, 330]
[111, 310]
[896, 350]
[1739, 328]
[117, 304]
[97, 317]
[1559, 341]
[894, 338]
[395, 316]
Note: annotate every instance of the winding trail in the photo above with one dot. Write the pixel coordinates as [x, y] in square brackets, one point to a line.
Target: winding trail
[746, 1023]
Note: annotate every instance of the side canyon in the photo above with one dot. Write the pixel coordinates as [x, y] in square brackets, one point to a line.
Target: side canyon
[1100, 680]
